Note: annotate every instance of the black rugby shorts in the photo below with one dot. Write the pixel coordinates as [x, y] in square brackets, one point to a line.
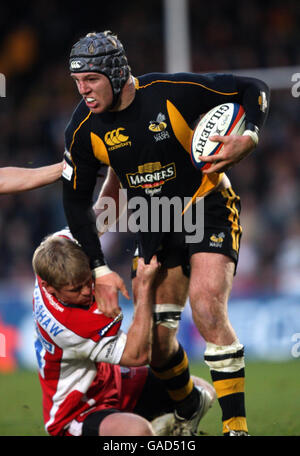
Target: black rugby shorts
[222, 234]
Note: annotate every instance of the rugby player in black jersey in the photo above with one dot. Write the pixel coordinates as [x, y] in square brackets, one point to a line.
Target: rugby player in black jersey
[141, 128]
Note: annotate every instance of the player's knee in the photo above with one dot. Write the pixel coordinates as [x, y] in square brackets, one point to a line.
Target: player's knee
[167, 315]
[210, 314]
[208, 294]
[165, 345]
[136, 425]
[128, 424]
[144, 428]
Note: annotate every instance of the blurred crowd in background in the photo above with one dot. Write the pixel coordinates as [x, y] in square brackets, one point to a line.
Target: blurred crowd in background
[36, 38]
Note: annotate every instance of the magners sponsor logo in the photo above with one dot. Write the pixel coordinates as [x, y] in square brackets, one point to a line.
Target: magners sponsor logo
[151, 176]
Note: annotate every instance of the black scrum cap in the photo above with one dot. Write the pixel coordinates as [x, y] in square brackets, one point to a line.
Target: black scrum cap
[101, 53]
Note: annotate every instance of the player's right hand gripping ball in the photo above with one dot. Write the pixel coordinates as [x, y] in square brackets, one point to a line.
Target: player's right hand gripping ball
[224, 120]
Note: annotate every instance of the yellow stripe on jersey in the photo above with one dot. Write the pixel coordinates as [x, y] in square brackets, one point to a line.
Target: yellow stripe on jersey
[236, 229]
[138, 87]
[72, 143]
[180, 127]
[229, 386]
[208, 183]
[184, 135]
[99, 149]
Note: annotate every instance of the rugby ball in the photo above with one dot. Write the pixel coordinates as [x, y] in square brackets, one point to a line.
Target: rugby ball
[225, 119]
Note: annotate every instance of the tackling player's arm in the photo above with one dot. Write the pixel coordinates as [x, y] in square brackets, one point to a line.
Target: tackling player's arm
[137, 351]
[104, 341]
[14, 179]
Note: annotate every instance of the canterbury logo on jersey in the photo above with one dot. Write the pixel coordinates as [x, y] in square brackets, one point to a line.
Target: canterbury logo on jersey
[116, 138]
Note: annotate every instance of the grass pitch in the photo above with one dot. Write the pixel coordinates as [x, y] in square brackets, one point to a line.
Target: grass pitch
[272, 401]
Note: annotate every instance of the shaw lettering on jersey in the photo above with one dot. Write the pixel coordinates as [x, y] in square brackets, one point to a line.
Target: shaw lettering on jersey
[45, 343]
[45, 321]
[43, 316]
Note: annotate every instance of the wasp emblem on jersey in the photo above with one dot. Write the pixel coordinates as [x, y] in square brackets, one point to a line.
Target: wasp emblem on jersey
[217, 240]
[159, 126]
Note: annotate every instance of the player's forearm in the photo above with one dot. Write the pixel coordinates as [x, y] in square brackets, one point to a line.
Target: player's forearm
[81, 221]
[14, 179]
[255, 98]
[110, 186]
[47, 174]
[109, 207]
[139, 338]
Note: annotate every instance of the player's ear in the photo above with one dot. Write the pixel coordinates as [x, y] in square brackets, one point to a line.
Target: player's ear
[48, 287]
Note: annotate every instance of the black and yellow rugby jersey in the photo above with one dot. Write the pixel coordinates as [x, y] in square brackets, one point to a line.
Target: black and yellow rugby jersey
[148, 143]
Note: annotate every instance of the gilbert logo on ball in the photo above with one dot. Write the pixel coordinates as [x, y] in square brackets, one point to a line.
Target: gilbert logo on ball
[224, 120]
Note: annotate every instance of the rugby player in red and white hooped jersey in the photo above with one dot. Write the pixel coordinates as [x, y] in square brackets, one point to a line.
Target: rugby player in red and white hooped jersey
[79, 351]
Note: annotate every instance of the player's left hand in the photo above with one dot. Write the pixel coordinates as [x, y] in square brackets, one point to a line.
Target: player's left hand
[146, 273]
[106, 290]
[235, 148]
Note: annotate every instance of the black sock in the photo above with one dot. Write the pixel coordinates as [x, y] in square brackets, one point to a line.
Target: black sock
[176, 378]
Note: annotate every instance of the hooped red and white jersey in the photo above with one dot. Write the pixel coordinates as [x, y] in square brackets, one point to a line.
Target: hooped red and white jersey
[77, 350]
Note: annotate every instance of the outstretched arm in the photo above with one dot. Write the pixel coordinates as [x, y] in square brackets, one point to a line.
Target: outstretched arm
[14, 179]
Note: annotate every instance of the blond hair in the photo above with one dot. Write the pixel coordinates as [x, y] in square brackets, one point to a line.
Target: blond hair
[60, 262]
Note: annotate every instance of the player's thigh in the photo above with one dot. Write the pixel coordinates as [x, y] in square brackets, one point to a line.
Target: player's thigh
[171, 286]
